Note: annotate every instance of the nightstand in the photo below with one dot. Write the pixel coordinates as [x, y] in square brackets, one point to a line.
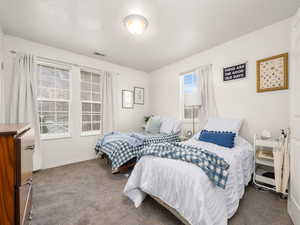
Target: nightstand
[264, 174]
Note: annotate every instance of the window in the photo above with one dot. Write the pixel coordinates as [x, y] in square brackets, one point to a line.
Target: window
[191, 97]
[53, 101]
[91, 103]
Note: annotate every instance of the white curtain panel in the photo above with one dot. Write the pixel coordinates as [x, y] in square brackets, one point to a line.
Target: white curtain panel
[207, 93]
[22, 100]
[109, 102]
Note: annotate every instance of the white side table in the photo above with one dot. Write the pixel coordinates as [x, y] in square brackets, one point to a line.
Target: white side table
[264, 162]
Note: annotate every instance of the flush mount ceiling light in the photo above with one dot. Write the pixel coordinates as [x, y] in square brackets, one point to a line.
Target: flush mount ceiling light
[135, 24]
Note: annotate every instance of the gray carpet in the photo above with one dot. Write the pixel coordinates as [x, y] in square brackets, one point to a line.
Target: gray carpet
[88, 194]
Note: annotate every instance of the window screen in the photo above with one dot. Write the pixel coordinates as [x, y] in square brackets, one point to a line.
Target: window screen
[53, 100]
[91, 102]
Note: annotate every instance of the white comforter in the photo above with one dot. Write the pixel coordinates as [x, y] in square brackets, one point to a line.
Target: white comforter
[186, 188]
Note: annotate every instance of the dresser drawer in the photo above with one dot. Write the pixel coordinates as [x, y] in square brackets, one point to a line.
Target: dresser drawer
[25, 148]
[25, 202]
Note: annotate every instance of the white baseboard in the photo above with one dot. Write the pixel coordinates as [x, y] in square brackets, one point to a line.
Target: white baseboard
[294, 210]
[68, 162]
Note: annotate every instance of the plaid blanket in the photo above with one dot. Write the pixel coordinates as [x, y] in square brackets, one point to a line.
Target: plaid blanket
[215, 167]
[120, 152]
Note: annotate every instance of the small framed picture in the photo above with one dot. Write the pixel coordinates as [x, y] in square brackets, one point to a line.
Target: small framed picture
[272, 73]
[235, 72]
[127, 99]
[139, 95]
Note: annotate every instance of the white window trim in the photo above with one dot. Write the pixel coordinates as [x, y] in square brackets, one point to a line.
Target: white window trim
[55, 136]
[69, 133]
[92, 132]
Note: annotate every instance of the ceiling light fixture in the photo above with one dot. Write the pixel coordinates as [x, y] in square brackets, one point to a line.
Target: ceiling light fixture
[99, 54]
[135, 24]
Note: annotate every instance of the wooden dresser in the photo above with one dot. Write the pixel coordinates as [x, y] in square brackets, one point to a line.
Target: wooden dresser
[16, 150]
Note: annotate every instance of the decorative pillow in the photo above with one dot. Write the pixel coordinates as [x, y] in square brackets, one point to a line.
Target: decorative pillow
[222, 138]
[167, 125]
[153, 126]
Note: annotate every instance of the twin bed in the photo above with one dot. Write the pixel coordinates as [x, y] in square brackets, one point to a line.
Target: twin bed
[187, 189]
[121, 149]
[185, 177]
[122, 154]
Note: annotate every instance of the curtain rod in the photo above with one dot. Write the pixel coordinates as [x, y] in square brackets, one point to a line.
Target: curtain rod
[192, 70]
[64, 62]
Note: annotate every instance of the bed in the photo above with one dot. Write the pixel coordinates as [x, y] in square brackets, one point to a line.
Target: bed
[122, 155]
[187, 191]
[122, 148]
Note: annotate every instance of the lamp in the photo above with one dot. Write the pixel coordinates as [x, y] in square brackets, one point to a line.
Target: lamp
[135, 24]
[193, 100]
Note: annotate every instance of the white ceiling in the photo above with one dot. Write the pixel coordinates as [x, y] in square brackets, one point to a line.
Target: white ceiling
[177, 29]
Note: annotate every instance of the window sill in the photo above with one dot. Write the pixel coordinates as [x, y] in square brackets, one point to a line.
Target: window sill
[91, 133]
[54, 137]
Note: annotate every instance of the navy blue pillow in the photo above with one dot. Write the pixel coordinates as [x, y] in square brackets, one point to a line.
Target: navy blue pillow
[222, 138]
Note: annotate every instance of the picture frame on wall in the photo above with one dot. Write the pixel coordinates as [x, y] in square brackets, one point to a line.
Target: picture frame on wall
[139, 93]
[235, 71]
[272, 73]
[127, 99]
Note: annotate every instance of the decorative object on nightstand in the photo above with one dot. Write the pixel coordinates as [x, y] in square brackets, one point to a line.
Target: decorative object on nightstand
[264, 173]
[183, 138]
[146, 118]
[265, 134]
[186, 135]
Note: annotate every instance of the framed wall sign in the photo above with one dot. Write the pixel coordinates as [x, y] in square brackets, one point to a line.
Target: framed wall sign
[272, 73]
[235, 72]
[139, 95]
[127, 99]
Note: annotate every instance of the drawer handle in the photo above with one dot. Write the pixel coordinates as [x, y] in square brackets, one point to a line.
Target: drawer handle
[30, 147]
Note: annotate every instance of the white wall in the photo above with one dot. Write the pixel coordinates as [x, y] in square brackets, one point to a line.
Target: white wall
[63, 151]
[236, 99]
[1, 75]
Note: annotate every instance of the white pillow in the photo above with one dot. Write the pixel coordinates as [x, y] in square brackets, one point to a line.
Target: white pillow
[177, 127]
[223, 124]
[167, 125]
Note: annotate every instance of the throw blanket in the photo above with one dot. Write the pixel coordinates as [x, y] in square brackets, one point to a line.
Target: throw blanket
[121, 151]
[215, 167]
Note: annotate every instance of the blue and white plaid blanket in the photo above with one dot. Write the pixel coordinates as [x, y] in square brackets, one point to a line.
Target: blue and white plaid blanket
[215, 167]
[121, 151]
